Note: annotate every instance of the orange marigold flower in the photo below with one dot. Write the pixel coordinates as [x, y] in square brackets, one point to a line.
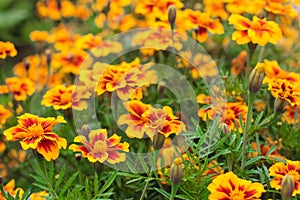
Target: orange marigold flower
[4, 115]
[230, 113]
[100, 148]
[203, 23]
[7, 49]
[280, 169]
[10, 188]
[258, 31]
[20, 87]
[36, 133]
[238, 64]
[230, 186]
[62, 97]
[285, 91]
[39, 36]
[88, 41]
[143, 119]
[107, 47]
[125, 78]
[39, 195]
[215, 8]
[290, 116]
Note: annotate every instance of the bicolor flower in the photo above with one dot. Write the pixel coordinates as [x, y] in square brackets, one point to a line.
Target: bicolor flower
[280, 169]
[98, 147]
[36, 133]
[230, 187]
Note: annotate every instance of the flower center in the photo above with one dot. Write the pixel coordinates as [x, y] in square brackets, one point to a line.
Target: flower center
[100, 146]
[35, 130]
[237, 195]
[65, 98]
[256, 26]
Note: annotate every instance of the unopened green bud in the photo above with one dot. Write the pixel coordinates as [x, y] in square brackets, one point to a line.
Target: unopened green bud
[256, 77]
[85, 129]
[176, 171]
[172, 15]
[158, 140]
[279, 105]
[48, 53]
[287, 187]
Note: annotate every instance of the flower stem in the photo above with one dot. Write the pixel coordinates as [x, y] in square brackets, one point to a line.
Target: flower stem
[251, 97]
[174, 190]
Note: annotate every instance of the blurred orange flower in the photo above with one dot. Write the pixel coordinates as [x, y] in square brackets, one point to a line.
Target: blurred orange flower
[258, 31]
[39, 36]
[7, 49]
[100, 148]
[36, 133]
[238, 64]
[4, 115]
[10, 188]
[20, 87]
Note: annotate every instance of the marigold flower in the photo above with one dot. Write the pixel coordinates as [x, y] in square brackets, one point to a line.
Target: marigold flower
[283, 89]
[125, 78]
[88, 41]
[39, 195]
[238, 64]
[10, 188]
[258, 31]
[143, 119]
[280, 169]
[100, 148]
[215, 8]
[230, 113]
[20, 87]
[203, 23]
[39, 36]
[4, 115]
[229, 186]
[62, 97]
[36, 133]
[7, 49]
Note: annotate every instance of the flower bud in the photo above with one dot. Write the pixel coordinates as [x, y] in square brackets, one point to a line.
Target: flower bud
[1, 180]
[176, 171]
[78, 156]
[158, 140]
[287, 187]
[279, 105]
[85, 130]
[48, 53]
[172, 15]
[256, 78]
[225, 128]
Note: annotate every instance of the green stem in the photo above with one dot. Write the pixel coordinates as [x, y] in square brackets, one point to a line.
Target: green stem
[249, 58]
[48, 182]
[174, 190]
[251, 97]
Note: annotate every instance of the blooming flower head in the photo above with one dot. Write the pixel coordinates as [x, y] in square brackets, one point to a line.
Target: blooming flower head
[284, 90]
[39, 36]
[125, 78]
[62, 97]
[280, 169]
[7, 49]
[10, 188]
[203, 23]
[258, 31]
[20, 87]
[4, 115]
[36, 133]
[230, 187]
[144, 119]
[98, 147]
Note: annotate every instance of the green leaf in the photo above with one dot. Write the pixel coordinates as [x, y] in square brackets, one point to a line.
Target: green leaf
[61, 176]
[163, 192]
[51, 172]
[87, 189]
[108, 182]
[46, 188]
[258, 118]
[12, 17]
[96, 183]
[68, 184]
[253, 160]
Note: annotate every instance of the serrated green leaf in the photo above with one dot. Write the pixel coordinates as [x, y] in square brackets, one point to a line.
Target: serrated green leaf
[253, 160]
[108, 182]
[68, 184]
[61, 176]
[163, 192]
